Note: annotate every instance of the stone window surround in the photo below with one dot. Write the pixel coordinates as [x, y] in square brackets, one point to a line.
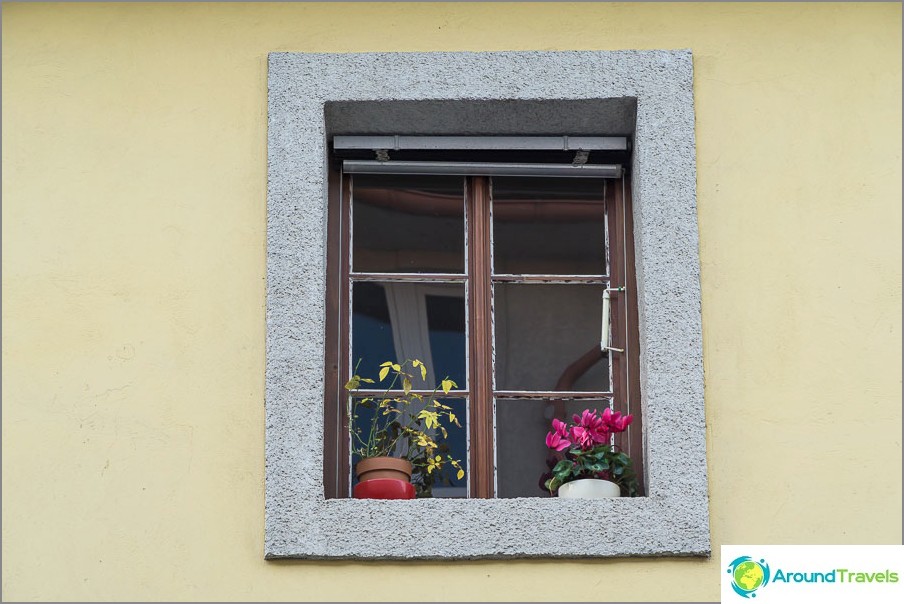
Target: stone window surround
[313, 96]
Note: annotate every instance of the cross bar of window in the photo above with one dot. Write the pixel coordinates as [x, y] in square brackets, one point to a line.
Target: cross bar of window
[513, 278]
[544, 394]
[416, 277]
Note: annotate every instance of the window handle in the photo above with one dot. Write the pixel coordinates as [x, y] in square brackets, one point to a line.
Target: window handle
[604, 336]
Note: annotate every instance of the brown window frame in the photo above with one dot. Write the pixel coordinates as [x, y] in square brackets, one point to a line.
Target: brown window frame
[625, 387]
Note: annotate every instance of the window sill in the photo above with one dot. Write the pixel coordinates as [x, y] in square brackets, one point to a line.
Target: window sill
[490, 528]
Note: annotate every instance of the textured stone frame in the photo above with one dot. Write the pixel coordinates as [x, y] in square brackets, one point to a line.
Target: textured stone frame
[674, 518]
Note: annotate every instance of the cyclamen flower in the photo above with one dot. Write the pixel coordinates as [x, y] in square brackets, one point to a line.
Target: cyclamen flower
[594, 425]
[615, 421]
[590, 429]
[589, 420]
[622, 423]
[583, 437]
[557, 442]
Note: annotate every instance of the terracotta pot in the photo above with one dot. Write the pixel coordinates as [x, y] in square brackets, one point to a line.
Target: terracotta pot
[383, 467]
[589, 488]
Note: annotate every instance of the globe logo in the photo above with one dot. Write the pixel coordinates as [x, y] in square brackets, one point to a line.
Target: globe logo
[748, 575]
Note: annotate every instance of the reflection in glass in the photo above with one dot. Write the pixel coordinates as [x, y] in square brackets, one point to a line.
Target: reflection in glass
[443, 482]
[409, 224]
[521, 453]
[399, 321]
[546, 335]
[549, 226]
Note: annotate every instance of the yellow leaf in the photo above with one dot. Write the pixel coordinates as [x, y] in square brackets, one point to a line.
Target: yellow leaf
[460, 474]
[423, 372]
[383, 373]
[386, 364]
[447, 386]
[397, 367]
[452, 418]
[406, 385]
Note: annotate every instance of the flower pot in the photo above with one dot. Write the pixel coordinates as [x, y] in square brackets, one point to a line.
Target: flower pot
[383, 467]
[589, 488]
[384, 488]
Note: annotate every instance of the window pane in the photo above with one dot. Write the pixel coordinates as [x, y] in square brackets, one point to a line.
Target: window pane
[543, 333]
[521, 453]
[549, 226]
[442, 482]
[409, 224]
[399, 321]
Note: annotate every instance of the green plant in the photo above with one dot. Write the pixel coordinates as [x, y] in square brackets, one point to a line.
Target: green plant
[409, 425]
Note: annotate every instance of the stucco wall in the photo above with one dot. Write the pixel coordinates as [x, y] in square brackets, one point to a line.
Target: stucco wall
[134, 187]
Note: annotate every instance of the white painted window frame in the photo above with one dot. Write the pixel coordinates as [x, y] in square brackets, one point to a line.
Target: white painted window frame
[673, 519]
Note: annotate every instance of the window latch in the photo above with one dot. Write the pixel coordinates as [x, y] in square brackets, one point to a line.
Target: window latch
[604, 336]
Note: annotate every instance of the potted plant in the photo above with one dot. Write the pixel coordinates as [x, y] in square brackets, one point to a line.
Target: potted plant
[404, 437]
[586, 465]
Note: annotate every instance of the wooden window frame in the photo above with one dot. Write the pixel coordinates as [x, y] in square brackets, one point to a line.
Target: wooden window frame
[620, 275]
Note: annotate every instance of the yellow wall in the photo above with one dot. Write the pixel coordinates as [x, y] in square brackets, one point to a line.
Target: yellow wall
[134, 189]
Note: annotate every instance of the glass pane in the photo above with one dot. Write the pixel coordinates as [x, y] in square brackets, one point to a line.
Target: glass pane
[543, 333]
[408, 224]
[521, 453]
[549, 226]
[407, 321]
[370, 424]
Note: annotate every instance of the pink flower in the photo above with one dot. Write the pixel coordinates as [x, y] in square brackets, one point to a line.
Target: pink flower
[622, 423]
[593, 424]
[615, 421]
[590, 429]
[557, 442]
[589, 419]
[583, 437]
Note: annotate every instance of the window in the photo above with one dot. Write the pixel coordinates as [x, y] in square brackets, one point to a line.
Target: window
[499, 282]
[646, 95]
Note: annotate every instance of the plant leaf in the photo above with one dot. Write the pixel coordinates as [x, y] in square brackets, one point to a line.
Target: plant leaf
[406, 385]
[562, 466]
[383, 373]
[447, 386]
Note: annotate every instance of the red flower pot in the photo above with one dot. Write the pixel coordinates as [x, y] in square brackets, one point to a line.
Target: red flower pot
[384, 488]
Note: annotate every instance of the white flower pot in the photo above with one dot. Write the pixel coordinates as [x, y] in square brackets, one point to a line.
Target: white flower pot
[589, 488]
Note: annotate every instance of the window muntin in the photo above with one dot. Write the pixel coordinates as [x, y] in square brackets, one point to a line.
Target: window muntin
[530, 328]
